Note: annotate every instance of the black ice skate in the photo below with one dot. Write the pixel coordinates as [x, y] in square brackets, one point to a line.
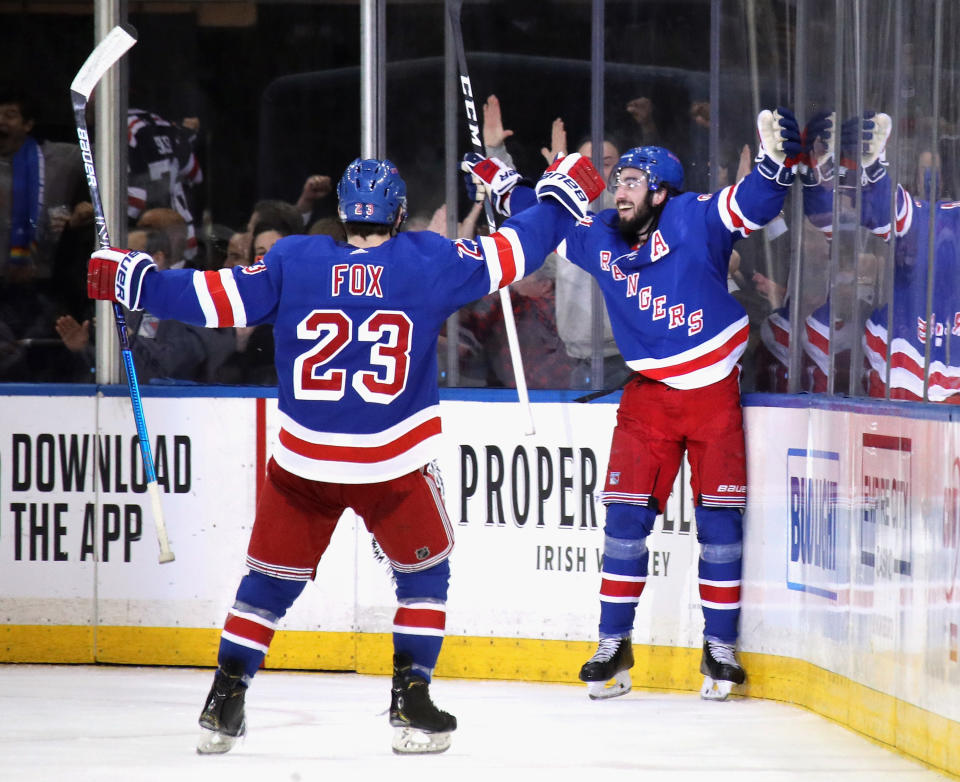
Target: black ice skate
[420, 726]
[613, 660]
[720, 669]
[222, 717]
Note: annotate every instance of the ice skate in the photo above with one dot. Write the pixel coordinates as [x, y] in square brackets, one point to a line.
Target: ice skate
[420, 727]
[613, 660]
[720, 669]
[222, 718]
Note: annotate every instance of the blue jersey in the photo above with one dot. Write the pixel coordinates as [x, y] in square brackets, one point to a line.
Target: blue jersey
[355, 334]
[906, 332]
[671, 313]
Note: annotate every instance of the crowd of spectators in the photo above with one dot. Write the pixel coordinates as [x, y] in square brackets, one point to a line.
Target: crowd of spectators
[47, 325]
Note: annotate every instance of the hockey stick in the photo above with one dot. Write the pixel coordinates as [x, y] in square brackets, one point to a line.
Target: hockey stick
[473, 129]
[108, 52]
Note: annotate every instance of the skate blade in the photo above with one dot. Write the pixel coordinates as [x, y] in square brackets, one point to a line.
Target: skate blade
[412, 741]
[620, 685]
[213, 743]
[715, 689]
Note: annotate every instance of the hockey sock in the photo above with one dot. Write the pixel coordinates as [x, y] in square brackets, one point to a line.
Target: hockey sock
[418, 628]
[252, 620]
[719, 570]
[421, 616]
[623, 578]
[624, 571]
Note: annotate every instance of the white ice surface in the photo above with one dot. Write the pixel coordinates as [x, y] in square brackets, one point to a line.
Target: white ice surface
[78, 723]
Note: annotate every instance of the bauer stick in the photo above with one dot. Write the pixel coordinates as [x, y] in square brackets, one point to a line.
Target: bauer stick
[473, 130]
[108, 52]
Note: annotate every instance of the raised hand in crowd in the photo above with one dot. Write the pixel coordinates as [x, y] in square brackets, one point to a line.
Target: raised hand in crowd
[558, 142]
[316, 187]
[700, 113]
[494, 134]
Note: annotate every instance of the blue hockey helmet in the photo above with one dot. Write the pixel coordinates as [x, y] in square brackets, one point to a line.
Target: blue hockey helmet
[372, 191]
[661, 166]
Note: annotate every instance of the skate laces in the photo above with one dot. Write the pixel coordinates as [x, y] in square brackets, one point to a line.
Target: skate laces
[722, 653]
[606, 650]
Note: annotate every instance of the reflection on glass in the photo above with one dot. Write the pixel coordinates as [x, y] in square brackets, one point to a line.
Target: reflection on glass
[261, 105]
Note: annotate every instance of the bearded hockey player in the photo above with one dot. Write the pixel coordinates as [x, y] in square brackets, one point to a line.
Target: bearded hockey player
[661, 261]
[356, 325]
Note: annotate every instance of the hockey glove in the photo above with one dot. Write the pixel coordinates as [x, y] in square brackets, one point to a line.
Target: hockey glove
[489, 175]
[869, 134]
[818, 145]
[117, 275]
[781, 150]
[573, 181]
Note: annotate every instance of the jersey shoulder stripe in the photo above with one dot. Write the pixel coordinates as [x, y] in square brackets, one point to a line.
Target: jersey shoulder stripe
[504, 256]
[904, 212]
[732, 214]
[219, 298]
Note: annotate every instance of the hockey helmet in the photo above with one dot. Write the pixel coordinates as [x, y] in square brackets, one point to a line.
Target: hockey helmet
[372, 191]
[661, 166]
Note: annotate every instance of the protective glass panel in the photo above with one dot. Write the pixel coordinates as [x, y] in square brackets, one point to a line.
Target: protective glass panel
[754, 69]
[529, 67]
[655, 94]
[913, 334]
[258, 113]
[45, 232]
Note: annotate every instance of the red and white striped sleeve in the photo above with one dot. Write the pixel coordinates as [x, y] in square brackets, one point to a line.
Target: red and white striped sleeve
[504, 256]
[219, 298]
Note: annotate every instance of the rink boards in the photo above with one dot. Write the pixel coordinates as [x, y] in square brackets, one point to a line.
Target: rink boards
[851, 590]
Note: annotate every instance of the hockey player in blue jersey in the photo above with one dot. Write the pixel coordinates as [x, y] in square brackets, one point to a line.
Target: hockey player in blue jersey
[921, 341]
[903, 328]
[661, 260]
[903, 331]
[356, 326]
